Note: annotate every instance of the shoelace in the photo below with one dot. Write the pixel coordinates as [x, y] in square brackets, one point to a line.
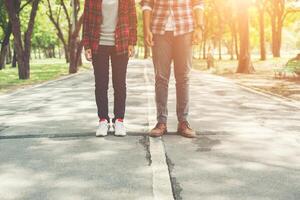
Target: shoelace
[187, 124]
[159, 125]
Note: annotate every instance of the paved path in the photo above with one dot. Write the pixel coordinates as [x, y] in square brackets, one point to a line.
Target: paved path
[248, 145]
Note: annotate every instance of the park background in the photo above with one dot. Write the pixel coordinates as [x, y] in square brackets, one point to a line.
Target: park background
[248, 142]
[248, 41]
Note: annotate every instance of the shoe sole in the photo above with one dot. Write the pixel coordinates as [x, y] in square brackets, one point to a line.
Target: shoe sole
[104, 135]
[186, 136]
[120, 135]
[156, 136]
[101, 135]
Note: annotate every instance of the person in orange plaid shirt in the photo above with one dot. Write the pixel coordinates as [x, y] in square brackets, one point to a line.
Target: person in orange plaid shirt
[170, 28]
[109, 34]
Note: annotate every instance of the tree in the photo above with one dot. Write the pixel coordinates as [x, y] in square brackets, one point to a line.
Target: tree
[23, 48]
[44, 38]
[278, 13]
[261, 7]
[231, 20]
[54, 13]
[75, 43]
[71, 42]
[6, 28]
[245, 64]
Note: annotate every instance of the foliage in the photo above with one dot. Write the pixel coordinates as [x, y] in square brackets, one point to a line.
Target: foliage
[44, 36]
[39, 72]
[3, 19]
[220, 16]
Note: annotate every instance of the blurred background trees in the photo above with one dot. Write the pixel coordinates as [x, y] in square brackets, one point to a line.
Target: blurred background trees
[42, 29]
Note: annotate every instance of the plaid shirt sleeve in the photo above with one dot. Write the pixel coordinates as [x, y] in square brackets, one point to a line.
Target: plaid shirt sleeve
[132, 23]
[85, 31]
[92, 18]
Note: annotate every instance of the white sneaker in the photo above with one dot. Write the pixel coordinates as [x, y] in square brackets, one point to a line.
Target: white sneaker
[102, 129]
[120, 129]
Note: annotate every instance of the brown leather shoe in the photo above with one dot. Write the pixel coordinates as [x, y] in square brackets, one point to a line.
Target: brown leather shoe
[159, 130]
[185, 130]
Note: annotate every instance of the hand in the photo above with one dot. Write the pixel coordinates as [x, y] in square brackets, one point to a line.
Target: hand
[197, 36]
[148, 38]
[88, 55]
[130, 51]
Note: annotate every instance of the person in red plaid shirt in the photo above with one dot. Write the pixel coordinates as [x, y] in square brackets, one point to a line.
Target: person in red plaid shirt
[109, 34]
[170, 28]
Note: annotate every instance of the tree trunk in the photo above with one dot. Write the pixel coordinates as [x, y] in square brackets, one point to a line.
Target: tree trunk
[3, 54]
[232, 48]
[204, 49]
[58, 27]
[39, 53]
[59, 52]
[53, 52]
[24, 67]
[220, 49]
[67, 53]
[262, 34]
[245, 64]
[277, 14]
[14, 59]
[236, 45]
[277, 41]
[23, 51]
[5, 46]
[75, 55]
[75, 45]
[9, 56]
[73, 58]
[34, 52]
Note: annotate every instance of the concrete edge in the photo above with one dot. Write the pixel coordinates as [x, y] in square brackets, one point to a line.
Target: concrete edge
[284, 100]
[279, 98]
[161, 180]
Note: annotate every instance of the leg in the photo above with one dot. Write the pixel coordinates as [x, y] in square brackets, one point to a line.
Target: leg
[101, 72]
[182, 54]
[162, 58]
[119, 70]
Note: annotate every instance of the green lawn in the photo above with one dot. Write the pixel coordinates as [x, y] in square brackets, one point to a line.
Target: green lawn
[40, 71]
[227, 67]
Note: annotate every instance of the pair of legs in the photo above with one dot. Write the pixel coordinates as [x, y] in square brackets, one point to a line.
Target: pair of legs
[168, 48]
[101, 63]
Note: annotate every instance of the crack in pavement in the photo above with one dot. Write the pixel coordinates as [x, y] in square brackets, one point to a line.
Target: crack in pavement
[176, 187]
[61, 135]
[162, 184]
[144, 141]
[2, 128]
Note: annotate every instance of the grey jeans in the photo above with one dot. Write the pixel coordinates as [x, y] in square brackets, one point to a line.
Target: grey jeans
[168, 48]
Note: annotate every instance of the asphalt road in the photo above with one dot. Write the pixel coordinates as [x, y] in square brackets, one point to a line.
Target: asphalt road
[248, 145]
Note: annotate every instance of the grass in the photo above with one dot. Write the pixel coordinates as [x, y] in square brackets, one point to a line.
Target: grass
[40, 71]
[227, 67]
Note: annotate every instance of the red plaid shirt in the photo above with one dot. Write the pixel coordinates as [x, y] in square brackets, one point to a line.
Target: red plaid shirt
[126, 30]
[182, 14]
